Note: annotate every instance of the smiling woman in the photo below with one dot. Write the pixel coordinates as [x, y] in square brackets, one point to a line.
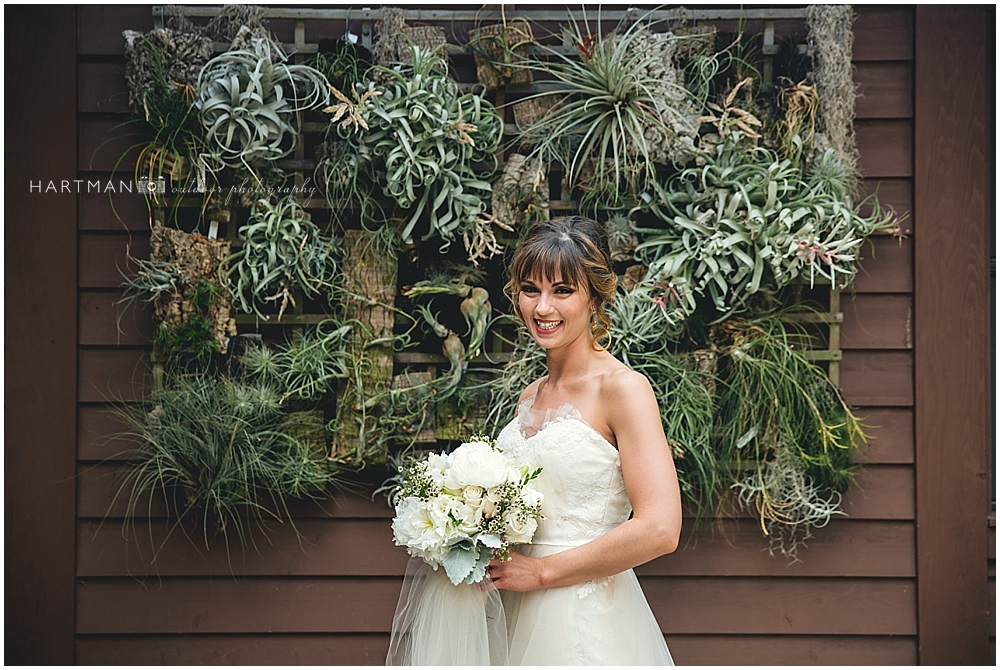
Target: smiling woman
[610, 497]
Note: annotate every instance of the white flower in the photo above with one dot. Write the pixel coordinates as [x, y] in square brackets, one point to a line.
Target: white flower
[490, 502]
[437, 466]
[518, 531]
[469, 517]
[476, 464]
[530, 497]
[473, 495]
[423, 527]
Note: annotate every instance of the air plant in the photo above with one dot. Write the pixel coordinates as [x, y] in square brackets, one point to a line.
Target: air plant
[161, 69]
[249, 102]
[283, 250]
[428, 146]
[190, 341]
[783, 431]
[749, 222]
[221, 454]
[617, 115]
[305, 368]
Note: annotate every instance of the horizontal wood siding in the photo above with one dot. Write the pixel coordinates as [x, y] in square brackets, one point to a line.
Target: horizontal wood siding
[323, 592]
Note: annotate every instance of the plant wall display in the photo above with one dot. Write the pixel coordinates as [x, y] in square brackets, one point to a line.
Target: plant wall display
[728, 190]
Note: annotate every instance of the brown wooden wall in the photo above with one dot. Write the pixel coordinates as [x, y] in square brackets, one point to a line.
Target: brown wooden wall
[328, 598]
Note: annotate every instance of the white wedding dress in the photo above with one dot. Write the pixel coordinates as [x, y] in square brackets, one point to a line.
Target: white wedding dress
[603, 622]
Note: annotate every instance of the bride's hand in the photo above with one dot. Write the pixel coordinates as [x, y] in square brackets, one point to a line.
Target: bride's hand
[518, 573]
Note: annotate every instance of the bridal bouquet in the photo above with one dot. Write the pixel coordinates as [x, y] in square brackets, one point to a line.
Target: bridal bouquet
[459, 510]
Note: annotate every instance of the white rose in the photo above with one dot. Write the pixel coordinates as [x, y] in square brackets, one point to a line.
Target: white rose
[519, 532]
[490, 502]
[476, 464]
[469, 517]
[473, 495]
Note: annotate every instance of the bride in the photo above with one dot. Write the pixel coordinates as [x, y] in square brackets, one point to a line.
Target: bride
[612, 501]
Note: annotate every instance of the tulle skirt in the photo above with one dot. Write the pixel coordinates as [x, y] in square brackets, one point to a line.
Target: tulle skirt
[607, 622]
[438, 623]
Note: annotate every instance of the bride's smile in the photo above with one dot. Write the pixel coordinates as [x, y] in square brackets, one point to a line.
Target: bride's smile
[557, 312]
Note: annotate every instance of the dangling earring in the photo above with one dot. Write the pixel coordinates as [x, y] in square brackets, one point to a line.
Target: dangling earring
[593, 321]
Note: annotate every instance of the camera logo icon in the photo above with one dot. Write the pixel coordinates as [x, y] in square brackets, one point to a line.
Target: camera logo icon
[148, 186]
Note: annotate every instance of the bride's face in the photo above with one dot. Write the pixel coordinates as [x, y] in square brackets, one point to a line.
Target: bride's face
[556, 312]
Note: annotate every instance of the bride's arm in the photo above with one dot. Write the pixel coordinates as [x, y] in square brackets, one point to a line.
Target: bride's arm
[651, 483]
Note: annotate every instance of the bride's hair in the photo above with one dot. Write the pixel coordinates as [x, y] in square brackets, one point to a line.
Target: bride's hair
[571, 247]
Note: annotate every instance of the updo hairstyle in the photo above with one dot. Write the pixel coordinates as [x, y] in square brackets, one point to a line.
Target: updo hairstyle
[574, 249]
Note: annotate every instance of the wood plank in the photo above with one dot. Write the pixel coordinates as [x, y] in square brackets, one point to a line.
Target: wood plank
[102, 88]
[99, 28]
[891, 435]
[357, 547]
[877, 321]
[886, 266]
[323, 547]
[96, 489]
[844, 548]
[882, 492]
[792, 650]
[877, 378]
[245, 650]
[110, 146]
[955, 71]
[348, 605]
[883, 33]
[103, 258]
[39, 336]
[370, 649]
[885, 147]
[104, 320]
[885, 90]
[119, 212]
[782, 606]
[109, 375]
[96, 431]
[713, 605]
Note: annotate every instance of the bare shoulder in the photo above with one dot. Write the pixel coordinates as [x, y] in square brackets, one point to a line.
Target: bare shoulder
[530, 390]
[624, 384]
[628, 399]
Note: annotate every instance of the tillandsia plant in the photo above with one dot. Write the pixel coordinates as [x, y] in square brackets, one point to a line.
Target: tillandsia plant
[623, 108]
[283, 250]
[305, 368]
[249, 102]
[222, 455]
[783, 431]
[430, 147]
[749, 222]
[161, 70]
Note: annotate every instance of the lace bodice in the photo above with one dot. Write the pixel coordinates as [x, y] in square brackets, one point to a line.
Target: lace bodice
[581, 475]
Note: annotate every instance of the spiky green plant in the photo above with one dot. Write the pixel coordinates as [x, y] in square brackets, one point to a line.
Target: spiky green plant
[305, 368]
[429, 147]
[783, 431]
[749, 222]
[249, 101]
[283, 250]
[617, 114]
[221, 455]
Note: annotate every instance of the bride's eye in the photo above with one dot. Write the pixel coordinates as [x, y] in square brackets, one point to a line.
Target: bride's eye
[565, 290]
[529, 288]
